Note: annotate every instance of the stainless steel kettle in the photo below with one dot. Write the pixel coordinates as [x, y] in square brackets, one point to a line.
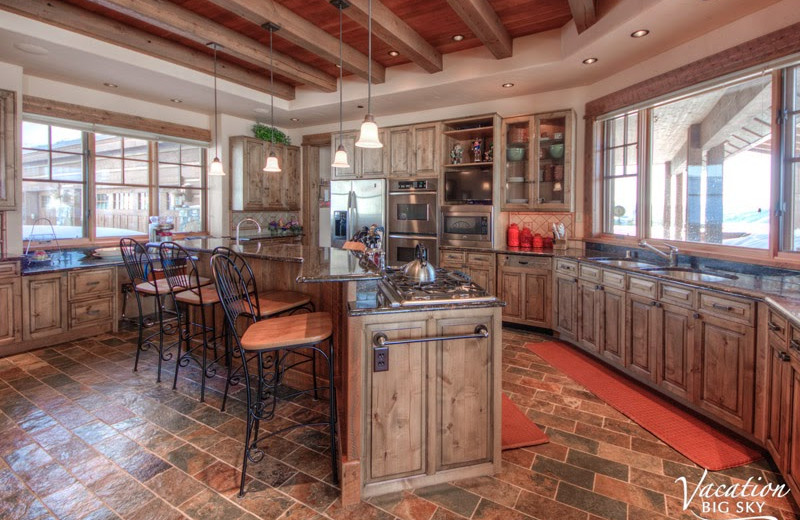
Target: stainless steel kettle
[419, 269]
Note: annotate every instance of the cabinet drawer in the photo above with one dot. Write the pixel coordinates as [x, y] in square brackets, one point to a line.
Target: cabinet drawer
[794, 341]
[676, 294]
[531, 262]
[452, 257]
[480, 259]
[98, 309]
[90, 282]
[728, 307]
[643, 287]
[590, 272]
[9, 269]
[613, 279]
[777, 325]
[566, 266]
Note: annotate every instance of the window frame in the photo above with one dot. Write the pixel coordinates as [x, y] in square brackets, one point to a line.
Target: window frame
[90, 184]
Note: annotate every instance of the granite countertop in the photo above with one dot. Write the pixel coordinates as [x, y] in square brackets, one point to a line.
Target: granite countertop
[362, 308]
[70, 260]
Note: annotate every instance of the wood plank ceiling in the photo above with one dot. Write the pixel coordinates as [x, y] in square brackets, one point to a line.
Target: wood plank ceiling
[306, 46]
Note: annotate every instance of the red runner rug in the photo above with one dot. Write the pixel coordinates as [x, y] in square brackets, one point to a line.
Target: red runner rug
[518, 430]
[697, 440]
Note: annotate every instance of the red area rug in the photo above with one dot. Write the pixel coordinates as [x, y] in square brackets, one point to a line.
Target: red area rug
[697, 440]
[518, 430]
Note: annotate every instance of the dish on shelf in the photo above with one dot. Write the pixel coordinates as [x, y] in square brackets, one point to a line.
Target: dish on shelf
[515, 153]
[557, 151]
[517, 201]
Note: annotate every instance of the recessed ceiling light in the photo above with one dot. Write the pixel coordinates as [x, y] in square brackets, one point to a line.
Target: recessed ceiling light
[176, 100]
[110, 85]
[295, 119]
[508, 85]
[589, 61]
[31, 48]
[640, 33]
[394, 53]
[458, 37]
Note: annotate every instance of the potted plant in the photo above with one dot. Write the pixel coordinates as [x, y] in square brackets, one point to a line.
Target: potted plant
[270, 133]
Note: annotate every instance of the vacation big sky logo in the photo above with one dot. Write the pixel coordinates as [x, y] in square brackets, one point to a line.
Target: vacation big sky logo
[746, 499]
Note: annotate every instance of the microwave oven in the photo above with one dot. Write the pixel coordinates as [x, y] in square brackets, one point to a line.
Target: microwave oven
[466, 226]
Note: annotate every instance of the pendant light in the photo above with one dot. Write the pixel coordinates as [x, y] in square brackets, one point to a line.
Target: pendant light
[215, 169]
[272, 165]
[340, 158]
[368, 137]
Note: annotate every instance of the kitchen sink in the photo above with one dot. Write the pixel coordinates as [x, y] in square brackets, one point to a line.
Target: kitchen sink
[693, 275]
[624, 262]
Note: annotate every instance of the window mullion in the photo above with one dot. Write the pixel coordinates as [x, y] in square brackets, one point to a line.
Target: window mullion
[643, 170]
[89, 182]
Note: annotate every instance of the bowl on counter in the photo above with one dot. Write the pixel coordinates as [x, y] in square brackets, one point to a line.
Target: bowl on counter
[515, 153]
[108, 252]
[557, 151]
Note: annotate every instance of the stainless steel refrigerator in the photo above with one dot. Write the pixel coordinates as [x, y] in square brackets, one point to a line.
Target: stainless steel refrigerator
[356, 204]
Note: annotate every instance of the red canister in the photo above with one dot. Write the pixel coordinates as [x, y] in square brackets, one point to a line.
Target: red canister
[512, 236]
[526, 238]
[538, 242]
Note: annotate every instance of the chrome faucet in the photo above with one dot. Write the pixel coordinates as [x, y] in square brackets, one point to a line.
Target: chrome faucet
[251, 219]
[671, 256]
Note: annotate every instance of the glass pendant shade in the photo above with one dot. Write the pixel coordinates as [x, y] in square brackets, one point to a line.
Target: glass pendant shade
[340, 159]
[272, 165]
[216, 168]
[368, 137]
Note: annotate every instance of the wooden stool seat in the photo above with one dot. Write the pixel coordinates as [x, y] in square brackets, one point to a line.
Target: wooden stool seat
[206, 294]
[276, 302]
[288, 331]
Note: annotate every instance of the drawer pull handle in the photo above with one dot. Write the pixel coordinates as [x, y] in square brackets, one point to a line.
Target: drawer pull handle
[598, 287]
[656, 304]
[697, 316]
[92, 312]
[794, 344]
[523, 263]
[95, 282]
[783, 356]
[722, 307]
[773, 327]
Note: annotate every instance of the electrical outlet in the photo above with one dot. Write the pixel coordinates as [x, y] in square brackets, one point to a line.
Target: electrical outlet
[380, 359]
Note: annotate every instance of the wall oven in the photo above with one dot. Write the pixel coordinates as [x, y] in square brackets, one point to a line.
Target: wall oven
[412, 211]
[467, 226]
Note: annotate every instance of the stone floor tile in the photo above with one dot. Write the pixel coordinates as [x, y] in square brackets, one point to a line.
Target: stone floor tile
[405, 505]
[451, 497]
[310, 491]
[174, 486]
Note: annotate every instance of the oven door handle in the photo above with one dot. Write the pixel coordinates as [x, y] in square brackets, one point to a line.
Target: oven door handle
[413, 237]
[379, 339]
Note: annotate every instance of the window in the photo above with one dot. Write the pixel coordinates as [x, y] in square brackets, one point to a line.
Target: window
[129, 179]
[791, 167]
[706, 170]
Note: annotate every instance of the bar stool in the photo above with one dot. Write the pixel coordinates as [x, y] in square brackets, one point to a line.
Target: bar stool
[267, 304]
[191, 292]
[142, 273]
[268, 343]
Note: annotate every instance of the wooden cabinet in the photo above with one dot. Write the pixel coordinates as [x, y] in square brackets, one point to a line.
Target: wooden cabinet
[253, 189]
[9, 149]
[525, 284]
[371, 162]
[401, 151]
[589, 315]
[348, 140]
[10, 309]
[612, 325]
[565, 306]
[791, 467]
[44, 305]
[675, 351]
[642, 326]
[426, 149]
[91, 298]
[478, 266]
[777, 387]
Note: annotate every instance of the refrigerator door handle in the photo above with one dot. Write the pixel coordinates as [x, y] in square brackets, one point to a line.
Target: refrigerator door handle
[352, 214]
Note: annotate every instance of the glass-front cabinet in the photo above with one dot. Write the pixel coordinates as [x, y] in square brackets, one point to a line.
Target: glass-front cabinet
[539, 162]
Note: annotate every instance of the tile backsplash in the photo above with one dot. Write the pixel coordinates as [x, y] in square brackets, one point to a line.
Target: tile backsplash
[542, 223]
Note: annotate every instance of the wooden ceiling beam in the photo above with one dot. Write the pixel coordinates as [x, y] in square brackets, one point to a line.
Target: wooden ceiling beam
[301, 32]
[483, 21]
[75, 19]
[175, 19]
[396, 33]
[584, 13]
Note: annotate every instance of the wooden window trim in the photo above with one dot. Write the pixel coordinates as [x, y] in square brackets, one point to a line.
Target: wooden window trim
[758, 51]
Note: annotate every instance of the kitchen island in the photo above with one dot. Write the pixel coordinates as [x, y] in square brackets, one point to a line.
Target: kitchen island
[418, 383]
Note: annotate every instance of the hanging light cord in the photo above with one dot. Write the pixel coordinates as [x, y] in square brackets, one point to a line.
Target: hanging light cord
[369, 62]
[271, 95]
[216, 128]
[341, 75]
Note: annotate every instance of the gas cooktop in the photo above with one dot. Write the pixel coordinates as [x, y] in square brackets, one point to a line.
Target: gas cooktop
[398, 290]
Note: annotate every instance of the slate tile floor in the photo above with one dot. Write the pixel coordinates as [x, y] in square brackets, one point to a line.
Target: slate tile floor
[83, 437]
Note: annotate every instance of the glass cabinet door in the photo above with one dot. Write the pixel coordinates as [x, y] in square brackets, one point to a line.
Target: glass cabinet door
[553, 163]
[518, 162]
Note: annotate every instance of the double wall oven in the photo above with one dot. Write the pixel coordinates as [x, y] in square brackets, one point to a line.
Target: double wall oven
[412, 211]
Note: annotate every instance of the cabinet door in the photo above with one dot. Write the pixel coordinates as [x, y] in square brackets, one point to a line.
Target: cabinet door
[44, 304]
[566, 306]
[9, 146]
[675, 350]
[483, 276]
[254, 158]
[537, 299]
[642, 330]
[464, 383]
[395, 412]
[512, 292]
[348, 140]
[726, 369]
[792, 462]
[612, 325]
[589, 316]
[275, 182]
[371, 162]
[553, 151]
[293, 179]
[778, 385]
[426, 150]
[401, 151]
[10, 306]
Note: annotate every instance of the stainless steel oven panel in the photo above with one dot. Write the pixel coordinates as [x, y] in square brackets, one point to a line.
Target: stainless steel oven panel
[401, 248]
[478, 237]
[413, 213]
